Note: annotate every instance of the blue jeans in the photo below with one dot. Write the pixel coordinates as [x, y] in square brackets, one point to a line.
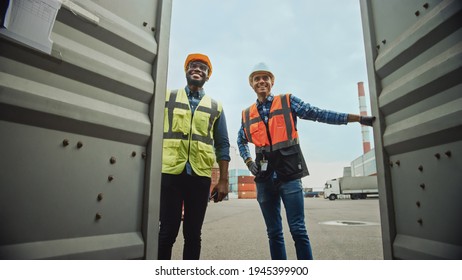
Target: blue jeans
[269, 195]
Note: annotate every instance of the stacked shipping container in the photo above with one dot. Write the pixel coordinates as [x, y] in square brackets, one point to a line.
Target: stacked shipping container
[246, 187]
[233, 176]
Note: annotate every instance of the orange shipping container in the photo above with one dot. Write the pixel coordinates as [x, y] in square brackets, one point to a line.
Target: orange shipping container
[245, 180]
[246, 187]
[247, 195]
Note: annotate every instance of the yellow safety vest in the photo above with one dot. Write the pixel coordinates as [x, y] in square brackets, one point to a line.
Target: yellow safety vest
[188, 137]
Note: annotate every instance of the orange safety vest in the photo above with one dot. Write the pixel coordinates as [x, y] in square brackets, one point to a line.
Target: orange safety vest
[280, 132]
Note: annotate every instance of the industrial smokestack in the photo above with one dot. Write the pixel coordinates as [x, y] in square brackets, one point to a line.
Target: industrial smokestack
[363, 112]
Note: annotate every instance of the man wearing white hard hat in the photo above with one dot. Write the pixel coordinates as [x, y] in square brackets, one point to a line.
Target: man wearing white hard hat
[279, 165]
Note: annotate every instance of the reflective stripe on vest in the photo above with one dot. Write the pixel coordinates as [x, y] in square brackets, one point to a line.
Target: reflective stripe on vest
[214, 114]
[280, 131]
[171, 104]
[183, 132]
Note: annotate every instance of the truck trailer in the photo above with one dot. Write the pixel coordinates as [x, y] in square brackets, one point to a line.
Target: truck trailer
[354, 187]
[82, 96]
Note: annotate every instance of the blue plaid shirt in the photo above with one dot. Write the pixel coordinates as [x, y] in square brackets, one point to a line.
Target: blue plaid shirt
[299, 109]
[220, 131]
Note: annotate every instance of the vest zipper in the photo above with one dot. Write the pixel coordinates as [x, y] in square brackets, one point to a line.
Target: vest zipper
[269, 136]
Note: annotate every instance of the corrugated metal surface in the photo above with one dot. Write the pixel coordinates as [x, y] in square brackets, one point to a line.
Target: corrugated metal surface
[242, 187]
[233, 176]
[414, 57]
[80, 164]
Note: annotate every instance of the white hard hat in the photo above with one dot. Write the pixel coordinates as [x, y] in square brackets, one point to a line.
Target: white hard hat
[261, 68]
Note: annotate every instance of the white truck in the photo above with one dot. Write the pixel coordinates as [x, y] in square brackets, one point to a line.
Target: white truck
[354, 187]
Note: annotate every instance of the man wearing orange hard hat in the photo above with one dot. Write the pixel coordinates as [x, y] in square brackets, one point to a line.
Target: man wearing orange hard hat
[195, 137]
[200, 58]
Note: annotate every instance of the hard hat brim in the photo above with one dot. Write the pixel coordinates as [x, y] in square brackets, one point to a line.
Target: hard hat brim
[261, 72]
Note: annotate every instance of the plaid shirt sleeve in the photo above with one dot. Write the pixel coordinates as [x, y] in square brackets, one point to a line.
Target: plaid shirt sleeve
[307, 112]
[242, 144]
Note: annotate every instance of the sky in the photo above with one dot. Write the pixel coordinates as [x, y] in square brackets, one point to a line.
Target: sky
[315, 49]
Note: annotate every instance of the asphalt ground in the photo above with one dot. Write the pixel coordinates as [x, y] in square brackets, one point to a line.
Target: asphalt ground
[338, 230]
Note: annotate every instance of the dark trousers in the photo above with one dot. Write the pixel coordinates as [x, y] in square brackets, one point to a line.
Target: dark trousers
[194, 191]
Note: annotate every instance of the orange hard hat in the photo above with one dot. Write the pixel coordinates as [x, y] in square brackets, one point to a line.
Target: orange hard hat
[200, 57]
